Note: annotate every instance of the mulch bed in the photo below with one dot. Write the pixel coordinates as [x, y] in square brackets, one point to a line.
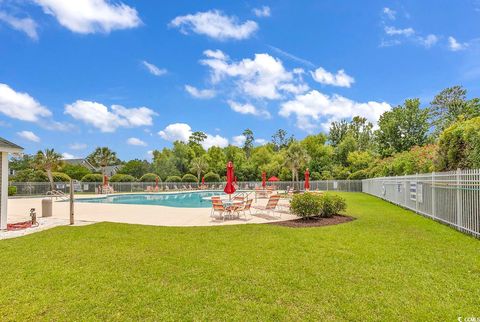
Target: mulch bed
[313, 222]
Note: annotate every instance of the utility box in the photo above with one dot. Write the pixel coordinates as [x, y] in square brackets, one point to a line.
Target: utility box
[47, 207]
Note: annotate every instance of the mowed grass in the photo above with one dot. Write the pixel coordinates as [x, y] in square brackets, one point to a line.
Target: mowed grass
[389, 264]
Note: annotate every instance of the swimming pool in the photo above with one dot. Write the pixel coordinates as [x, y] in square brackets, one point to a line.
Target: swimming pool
[178, 199]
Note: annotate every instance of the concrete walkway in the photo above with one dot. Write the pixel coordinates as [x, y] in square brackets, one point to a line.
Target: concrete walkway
[18, 210]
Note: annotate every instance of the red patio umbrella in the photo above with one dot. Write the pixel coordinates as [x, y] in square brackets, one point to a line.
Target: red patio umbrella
[273, 179]
[156, 183]
[203, 180]
[264, 179]
[307, 179]
[229, 188]
[105, 180]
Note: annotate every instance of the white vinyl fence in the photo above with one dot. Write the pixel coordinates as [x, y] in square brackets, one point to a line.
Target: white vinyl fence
[452, 198]
[41, 188]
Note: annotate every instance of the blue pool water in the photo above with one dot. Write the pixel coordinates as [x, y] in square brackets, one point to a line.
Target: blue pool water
[179, 199]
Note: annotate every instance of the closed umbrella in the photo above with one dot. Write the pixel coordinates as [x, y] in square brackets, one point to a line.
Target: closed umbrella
[229, 188]
[105, 180]
[307, 179]
[156, 183]
[203, 180]
[264, 179]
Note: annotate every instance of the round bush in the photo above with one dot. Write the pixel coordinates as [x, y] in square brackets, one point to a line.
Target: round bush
[93, 177]
[173, 179]
[30, 175]
[122, 178]
[189, 178]
[149, 177]
[315, 176]
[60, 177]
[12, 191]
[358, 175]
[331, 205]
[306, 205]
[212, 177]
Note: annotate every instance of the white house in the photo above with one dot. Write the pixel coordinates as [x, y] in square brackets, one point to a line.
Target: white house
[6, 147]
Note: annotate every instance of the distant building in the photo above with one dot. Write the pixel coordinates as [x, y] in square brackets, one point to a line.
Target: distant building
[109, 170]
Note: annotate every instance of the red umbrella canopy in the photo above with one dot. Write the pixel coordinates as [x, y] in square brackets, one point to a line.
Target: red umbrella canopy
[156, 182]
[203, 180]
[264, 179]
[229, 188]
[273, 179]
[307, 179]
[105, 180]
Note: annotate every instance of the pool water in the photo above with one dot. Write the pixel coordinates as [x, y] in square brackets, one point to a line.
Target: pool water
[178, 199]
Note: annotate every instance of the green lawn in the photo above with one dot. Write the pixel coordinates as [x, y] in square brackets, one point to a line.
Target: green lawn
[389, 264]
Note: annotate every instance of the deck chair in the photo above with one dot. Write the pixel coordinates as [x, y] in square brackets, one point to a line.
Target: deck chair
[270, 207]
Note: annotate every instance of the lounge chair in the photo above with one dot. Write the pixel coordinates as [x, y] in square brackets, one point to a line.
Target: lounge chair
[175, 187]
[167, 188]
[247, 205]
[270, 207]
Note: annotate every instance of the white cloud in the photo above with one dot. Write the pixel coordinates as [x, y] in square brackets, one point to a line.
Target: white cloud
[214, 140]
[218, 54]
[292, 57]
[389, 13]
[78, 146]
[66, 156]
[215, 24]
[454, 45]
[91, 16]
[154, 70]
[21, 106]
[182, 132]
[200, 93]
[239, 140]
[248, 109]
[428, 41]
[262, 12]
[261, 141]
[176, 132]
[108, 120]
[263, 77]
[392, 31]
[136, 142]
[315, 109]
[26, 25]
[339, 79]
[29, 135]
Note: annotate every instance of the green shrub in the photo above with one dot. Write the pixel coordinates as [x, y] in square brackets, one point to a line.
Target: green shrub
[93, 177]
[306, 205]
[315, 176]
[122, 178]
[459, 146]
[12, 191]
[358, 175]
[60, 177]
[173, 179]
[149, 177]
[75, 171]
[331, 205]
[189, 178]
[30, 175]
[212, 177]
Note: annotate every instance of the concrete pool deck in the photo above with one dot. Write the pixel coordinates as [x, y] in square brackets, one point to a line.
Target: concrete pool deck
[19, 208]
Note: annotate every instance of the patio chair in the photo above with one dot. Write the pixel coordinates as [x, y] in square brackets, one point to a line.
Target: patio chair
[175, 187]
[270, 207]
[247, 205]
[167, 188]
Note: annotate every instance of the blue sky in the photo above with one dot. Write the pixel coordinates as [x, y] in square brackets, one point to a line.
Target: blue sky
[136, 75]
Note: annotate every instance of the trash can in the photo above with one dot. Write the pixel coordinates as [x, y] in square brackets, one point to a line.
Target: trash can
[47, 207]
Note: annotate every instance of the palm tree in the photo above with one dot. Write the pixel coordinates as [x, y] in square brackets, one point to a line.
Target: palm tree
[198, 166]
[103, 157]
[48, 161]
[295, 158]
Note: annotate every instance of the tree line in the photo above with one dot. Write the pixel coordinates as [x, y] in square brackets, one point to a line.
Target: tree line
[408, 139]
